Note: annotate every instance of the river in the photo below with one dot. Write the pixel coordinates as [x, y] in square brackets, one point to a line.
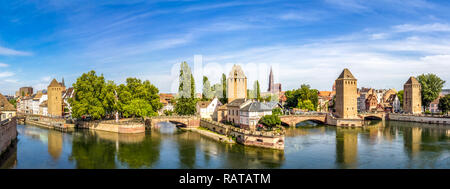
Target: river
[389, 144]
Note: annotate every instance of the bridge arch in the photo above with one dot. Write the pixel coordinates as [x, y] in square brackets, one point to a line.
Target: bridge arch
[179, 121]
[293, 120]
[373, 117]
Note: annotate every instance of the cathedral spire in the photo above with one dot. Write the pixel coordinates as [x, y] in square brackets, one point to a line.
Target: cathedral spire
[270, 89]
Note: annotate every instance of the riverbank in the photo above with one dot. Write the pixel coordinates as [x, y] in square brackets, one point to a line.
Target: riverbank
[210, 134]
[419, 119]
[48, 122]
[123, 126]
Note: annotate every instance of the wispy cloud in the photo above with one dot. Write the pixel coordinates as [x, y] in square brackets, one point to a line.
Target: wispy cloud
[3, 65]
[6, 74]
[435, 27]
[12, 52]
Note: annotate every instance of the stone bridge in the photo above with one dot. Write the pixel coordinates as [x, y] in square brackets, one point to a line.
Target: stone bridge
[378, 115]
[292, 120]
[183, 121]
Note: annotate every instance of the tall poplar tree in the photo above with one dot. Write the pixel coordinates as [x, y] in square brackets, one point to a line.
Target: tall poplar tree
[186, 101]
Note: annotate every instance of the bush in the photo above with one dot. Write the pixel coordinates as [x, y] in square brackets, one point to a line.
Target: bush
[427, 112]
[277, 111]
[270, 120]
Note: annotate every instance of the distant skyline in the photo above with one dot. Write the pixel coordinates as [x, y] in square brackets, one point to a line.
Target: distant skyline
[382, 42]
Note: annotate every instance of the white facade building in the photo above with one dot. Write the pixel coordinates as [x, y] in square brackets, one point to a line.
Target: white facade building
[251, 113]
[208, 109]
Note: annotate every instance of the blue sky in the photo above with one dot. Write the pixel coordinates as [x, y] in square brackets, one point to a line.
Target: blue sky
[382, 42]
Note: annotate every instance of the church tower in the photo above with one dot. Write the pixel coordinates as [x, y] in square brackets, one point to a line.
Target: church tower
[236, 84]
[412, 99]
[346, 95]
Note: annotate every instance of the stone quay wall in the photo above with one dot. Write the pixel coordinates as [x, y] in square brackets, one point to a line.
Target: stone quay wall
[58, 123]
[111, 126]
[264, 139]
[420, 119]
[8, 134]
[331, 120]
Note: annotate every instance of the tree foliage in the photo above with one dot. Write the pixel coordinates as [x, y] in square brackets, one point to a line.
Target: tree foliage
[87, 99]
[305, 105]
[96, 98]
[400, 97]
[270, 120]
[138, 99]
[224, 98]
[257, 91]
[186, 101]
[277, 111]
[207, 92]
[13, 102]
[431, 87]
[303, 98]
[444, 104]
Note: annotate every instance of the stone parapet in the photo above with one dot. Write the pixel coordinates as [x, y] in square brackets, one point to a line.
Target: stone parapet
[421, 119]
[120, 127]
[8, 134]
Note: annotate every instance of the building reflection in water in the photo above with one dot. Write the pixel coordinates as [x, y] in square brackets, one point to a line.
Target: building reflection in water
[347, 147]
[55, 144]
[8, 159]
[412, 138]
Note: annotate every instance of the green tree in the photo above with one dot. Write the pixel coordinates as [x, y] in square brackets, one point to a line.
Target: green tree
[299, 98]
[109, 97]
[305, 105]
[87, 96]
[270, 120]
[400, 97]
[13, 102]
[207, 92]
[257, 91]
[138, 99]
[224, 98]
[186, 102]
[277, 111]
[444, 104]
[431, 87]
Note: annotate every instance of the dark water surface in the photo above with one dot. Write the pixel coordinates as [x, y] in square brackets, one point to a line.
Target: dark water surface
[389, 144]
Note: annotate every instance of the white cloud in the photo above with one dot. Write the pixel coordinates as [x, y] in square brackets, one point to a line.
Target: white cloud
[435, 27]
[376, 63]
[6, 74]
[3, 65]
[12, 52]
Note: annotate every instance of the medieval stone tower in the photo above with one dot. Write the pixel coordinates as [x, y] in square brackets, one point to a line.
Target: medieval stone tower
[55, 101]
[236, 84]
[412, 99]
[346, 96]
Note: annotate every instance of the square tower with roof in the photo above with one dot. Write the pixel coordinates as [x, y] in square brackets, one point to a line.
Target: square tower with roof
[346, 96]
[412, 99]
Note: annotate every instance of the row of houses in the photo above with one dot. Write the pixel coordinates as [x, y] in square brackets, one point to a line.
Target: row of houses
[50, 102]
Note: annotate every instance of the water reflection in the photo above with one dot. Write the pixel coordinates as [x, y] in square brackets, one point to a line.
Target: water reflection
[347, 146]
[55, 144]
[8, 159]
[380, 145]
